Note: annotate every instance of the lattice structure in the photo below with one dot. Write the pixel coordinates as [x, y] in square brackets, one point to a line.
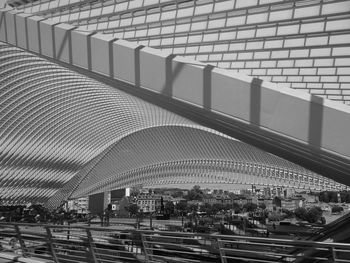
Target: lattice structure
[300, 44]
[64, 134]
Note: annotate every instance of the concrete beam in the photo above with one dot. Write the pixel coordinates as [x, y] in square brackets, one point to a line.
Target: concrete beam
[34, 35]
[81, 48]
[188, 80]
[47, 37]
[102, 54]
[11, 27]
[22, 30]
[126, 57]
[3, 29]
[153, 69]
[63, 42]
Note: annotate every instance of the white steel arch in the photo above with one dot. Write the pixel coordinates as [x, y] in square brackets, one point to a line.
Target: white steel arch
[65, 135]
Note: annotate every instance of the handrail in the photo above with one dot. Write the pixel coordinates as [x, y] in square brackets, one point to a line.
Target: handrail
[79, 243]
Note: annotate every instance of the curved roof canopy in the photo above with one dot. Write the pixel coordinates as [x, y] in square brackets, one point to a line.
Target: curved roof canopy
[64, 135]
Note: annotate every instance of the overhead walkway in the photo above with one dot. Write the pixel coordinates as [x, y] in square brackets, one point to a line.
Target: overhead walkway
[302, 128]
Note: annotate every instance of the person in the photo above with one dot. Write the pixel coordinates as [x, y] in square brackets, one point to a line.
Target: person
[101, 215]
[108, 212]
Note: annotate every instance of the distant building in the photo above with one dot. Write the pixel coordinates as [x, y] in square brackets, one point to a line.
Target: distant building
[79, 205]
[117, 195]
[195, 202]
[149, 203]
[309, 198]
[267, 192]
[291, 204]
[236, 191]
[218, 199]
[268, 203]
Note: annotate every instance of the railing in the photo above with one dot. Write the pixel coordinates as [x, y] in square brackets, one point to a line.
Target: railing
[64, 244]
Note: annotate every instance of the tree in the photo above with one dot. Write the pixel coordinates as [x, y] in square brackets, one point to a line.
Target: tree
[337, 209]
[236, 207]
[207, 208]
[123, 207]
[324, 197]
[345, 196]
[274, 216]
[177, 194]
[192, 208]
[277, 201]
[311, 215]
[262, 206]
[132, 209]
[181, 207]
[169, 207]
[314, 214]
[195, 193]
[216, 208]
[333, 197]
[329, 196]
[300, 213]
[288, 213]
[135, 191]
[250, 207]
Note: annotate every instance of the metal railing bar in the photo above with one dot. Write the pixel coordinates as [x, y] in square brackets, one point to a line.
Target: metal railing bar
[169, 243]
[72, 250]
[249, 259]
[258, 244]
[342, 250]
[71, 244]
[178, 251]
[203, 250]
[172, 259]
[72, 256]
[74, 261]
[277, 254]
[284, 241]
[171, 237]
[62, 251]
[114, 261]
[259, 252]
[284, 247]
[116, 257]
[113, 250]
[42, 257]
[114, 254]
[188, 242]
[91, 244]
[50, 245]
[109, 238]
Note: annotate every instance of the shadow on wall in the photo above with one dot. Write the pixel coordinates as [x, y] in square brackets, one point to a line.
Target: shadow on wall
[255, 101]
[315, 113]
[315, 121]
